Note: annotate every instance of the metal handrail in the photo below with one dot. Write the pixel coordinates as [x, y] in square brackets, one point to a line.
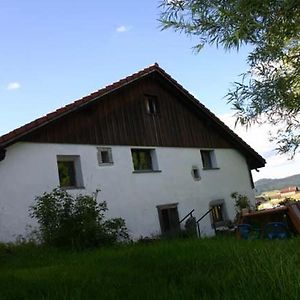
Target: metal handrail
[189, 214]
[203, 216]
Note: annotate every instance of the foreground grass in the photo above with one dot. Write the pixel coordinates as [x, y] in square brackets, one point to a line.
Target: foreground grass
[181, 269]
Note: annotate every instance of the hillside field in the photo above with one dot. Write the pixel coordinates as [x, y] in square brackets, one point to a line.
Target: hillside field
[267, 184]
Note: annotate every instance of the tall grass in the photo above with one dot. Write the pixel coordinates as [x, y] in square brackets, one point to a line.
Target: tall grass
[180, 269]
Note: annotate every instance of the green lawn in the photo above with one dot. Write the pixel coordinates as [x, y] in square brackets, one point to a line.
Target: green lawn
[180, 269]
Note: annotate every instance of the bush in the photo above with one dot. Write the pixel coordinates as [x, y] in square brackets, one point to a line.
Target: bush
[75, 221]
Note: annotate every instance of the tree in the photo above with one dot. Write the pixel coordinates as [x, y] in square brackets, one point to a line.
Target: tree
[270, 90]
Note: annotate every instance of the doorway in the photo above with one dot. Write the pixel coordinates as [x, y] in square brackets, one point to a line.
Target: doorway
[168, 218]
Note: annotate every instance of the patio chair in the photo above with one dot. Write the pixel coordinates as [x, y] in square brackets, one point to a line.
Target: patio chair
[248, 231]
[243, 231]
[276, 230]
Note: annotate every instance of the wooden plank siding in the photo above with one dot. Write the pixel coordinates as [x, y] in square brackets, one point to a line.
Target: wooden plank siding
[120, 118]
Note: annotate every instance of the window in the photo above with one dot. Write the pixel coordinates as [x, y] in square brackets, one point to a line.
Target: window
[151, 105]
[69, 171]
[218, 213]
[144, 160]
[208, 159]
[196, 173]
[104, 156]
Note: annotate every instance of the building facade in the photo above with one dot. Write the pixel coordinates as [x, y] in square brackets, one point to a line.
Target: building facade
[150, 148]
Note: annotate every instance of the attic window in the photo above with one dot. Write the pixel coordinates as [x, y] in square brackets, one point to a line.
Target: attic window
[104, 156]
[151, 105]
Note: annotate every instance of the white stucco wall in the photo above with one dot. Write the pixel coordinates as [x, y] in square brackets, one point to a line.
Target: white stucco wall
[30, 169]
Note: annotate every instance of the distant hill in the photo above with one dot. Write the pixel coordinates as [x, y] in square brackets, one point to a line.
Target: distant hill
[266, 184]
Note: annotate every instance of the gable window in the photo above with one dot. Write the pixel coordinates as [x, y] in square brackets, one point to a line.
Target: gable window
[208, 159]
[104, 156]
[69, 171]
[144, 160]
[151, 105]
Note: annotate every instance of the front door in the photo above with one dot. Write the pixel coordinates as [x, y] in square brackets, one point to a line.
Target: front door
[168, 218]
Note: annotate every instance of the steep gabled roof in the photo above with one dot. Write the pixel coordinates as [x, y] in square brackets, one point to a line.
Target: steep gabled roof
[253, 158]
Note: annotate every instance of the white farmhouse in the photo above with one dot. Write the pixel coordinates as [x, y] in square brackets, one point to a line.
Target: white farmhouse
[152, 149]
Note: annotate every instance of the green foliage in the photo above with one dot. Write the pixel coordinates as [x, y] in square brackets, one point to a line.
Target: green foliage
[270, 90]
[241, 202]
[75, 221]
[288, 201]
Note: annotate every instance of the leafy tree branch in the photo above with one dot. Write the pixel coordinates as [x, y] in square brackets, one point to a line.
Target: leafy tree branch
[270, 90]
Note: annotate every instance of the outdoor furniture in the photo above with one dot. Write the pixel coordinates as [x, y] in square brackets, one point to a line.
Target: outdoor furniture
[259, 219]
[276, 230]
[243, 231]
[248, 232]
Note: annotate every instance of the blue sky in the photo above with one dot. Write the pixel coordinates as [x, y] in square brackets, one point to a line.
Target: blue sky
[54, 52]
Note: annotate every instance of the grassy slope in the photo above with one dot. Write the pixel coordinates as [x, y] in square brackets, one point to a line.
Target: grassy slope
[186, 269]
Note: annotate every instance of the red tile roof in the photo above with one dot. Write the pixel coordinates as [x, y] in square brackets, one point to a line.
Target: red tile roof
[16, 134]
[289, 189]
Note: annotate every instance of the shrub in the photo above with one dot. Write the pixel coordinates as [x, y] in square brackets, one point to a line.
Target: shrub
[241, 202]
[75, 221]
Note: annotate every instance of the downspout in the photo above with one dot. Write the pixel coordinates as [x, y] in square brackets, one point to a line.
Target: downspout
[2, 153]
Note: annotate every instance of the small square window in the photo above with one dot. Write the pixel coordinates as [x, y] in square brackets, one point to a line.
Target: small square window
[144, 160]
[69, 171]
[104, 156]
[151, 105]
[208, 159]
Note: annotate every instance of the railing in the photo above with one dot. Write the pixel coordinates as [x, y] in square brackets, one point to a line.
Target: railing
[198, 226]
[190, 214]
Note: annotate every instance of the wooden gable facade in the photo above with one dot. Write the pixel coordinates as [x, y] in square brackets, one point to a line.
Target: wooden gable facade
[120, 117]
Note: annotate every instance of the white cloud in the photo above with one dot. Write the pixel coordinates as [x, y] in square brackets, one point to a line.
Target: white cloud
[13, 86]
[257, 136]
[123, 28]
